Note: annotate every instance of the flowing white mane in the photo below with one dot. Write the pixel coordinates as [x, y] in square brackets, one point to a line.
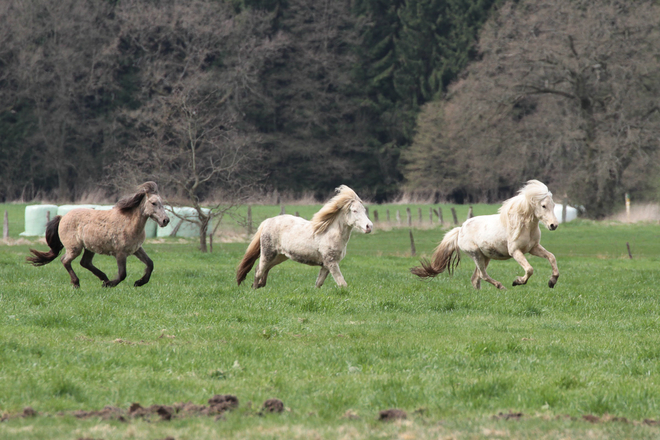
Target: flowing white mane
[519, 210]
[338, 204]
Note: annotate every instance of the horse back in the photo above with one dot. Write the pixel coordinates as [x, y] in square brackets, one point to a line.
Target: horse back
[107, 232]
[485, 234]
[290, 236]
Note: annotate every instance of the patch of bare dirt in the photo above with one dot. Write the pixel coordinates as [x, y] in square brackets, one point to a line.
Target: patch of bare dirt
[27, 412]
[21, 241]
[387, 415]
[508, 416]
[217, 406]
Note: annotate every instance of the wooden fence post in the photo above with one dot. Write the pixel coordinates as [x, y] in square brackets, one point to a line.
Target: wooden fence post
[5, 226]
[431, 214]
[249, 221]
[453, 213]
[409, 216]
[398, 217]
[282, 210]
[375, 216]
[388, 215]
[440, 219]
[413, 252]
[469, 213]
[419, 214]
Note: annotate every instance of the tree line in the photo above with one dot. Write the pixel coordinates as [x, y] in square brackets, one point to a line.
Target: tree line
[460, 99]
[313, 93]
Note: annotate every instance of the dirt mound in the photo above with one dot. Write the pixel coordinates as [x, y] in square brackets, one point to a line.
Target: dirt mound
[273, 406]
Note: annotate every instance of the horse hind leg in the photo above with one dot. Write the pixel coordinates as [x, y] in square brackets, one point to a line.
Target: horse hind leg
[322, 276]
[86, 262]
[476, 279]
[266, 262]
[481, 262]
[68, 257]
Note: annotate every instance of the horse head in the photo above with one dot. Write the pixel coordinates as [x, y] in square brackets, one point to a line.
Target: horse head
[356, 217]
[154, 209]
[544, 210]
[148, 201]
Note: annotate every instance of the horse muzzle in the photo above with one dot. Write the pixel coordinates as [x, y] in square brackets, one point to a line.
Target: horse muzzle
[164, 222]
[552, 227]
[368, 228]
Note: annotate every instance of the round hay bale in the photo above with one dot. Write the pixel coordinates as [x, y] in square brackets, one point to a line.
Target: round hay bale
[35, 219]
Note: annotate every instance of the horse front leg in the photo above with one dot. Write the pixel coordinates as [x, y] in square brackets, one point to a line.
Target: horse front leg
[540, 251]
[333, 267]
[322, 275]
[529, 270]
[142, 256]
[121, 273]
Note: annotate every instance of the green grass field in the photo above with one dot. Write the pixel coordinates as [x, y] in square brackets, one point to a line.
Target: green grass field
[452, 357]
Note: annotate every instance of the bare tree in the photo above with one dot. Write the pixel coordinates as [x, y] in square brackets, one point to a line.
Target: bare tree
[199, 72]
[566, 92]
[60, 83]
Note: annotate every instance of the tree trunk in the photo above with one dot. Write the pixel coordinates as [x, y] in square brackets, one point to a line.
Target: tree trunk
[203, 230]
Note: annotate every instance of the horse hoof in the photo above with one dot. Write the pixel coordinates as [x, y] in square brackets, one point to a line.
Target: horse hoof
[551, 284]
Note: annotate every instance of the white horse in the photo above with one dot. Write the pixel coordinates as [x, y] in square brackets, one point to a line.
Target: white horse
[510, 234]
[319, 242]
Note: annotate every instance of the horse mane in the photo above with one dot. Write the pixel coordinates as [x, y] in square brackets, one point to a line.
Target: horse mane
[519, 210]
[133, 201]
[331, 210]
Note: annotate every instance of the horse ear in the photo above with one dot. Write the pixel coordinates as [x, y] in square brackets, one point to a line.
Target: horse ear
[148, 188]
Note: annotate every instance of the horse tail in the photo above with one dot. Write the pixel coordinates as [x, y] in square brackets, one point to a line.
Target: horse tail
[251, 254]
[445, 257]
[54, 242]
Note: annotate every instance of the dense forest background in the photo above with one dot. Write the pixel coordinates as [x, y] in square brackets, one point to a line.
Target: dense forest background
[459, 100]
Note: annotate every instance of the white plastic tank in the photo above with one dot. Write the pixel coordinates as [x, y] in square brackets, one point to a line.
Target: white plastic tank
[571, 213]
[63, 209]
[185, 218]
[35, 219]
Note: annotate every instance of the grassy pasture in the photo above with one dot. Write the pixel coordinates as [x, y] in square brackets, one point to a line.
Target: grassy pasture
[450, 356]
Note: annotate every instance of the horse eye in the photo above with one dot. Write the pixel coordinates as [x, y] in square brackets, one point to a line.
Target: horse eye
[543, 206]
[154, 203]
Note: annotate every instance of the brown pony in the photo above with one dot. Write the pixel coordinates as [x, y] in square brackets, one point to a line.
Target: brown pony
[118, 232]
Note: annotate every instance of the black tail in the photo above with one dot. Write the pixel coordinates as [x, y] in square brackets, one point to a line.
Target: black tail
[53, 240]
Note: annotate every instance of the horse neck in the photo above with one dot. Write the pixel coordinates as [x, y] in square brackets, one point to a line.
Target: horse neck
[138, 219]
[340, 228]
